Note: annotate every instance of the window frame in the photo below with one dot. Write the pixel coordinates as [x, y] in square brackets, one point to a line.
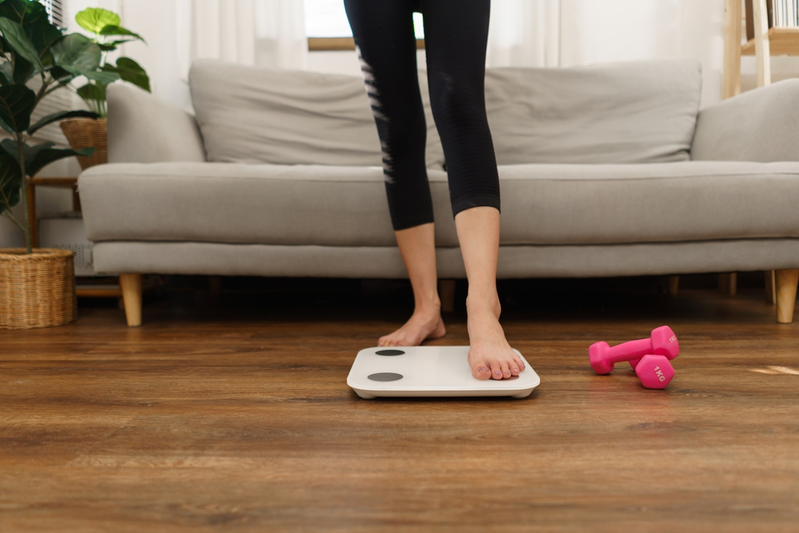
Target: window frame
[329, 44]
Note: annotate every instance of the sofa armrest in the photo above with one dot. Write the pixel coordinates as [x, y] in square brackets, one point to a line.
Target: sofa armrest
[144, 129]
[759, 125]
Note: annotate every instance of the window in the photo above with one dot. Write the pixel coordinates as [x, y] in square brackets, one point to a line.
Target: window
[55, 10]
[327, 27]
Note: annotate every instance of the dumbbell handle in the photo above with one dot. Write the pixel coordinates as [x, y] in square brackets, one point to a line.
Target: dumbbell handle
[629, 350]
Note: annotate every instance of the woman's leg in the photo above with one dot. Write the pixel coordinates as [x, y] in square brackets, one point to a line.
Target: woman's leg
[456, 34]
[384, 37]
[417, 246]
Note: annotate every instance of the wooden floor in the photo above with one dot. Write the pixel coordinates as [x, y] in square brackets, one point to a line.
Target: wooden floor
[232, 413]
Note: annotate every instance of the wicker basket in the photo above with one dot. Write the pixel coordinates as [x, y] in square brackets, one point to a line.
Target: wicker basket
[36, 290]
[87, 133]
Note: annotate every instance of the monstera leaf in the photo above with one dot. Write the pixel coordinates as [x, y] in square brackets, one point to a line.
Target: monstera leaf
[94, 19]
[119, 30]
[130, 71]
[76, 52]
[16, 105]
[92, 91]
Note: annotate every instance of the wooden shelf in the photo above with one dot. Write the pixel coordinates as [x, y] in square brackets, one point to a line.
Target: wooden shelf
[783, 41]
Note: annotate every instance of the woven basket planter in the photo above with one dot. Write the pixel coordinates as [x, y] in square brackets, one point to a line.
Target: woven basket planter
[87, 133]
[36, 290]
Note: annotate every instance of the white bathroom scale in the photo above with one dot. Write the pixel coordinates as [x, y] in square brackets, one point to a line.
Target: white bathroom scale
[426, 371]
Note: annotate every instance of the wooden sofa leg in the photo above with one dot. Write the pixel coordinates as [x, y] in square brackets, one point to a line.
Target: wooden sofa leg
[131, 294]
[786, 281]
[674, 285]
[728, 283]
[446, 291]
[771, 297]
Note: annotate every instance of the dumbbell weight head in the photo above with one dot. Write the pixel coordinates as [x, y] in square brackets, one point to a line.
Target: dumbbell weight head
[654, 371]
[664, 342]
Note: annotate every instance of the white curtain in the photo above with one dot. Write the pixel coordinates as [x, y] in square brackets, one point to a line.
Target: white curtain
[251, 32]
[524, 33]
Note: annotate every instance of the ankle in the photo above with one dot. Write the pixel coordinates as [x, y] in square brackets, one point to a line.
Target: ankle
[431, 307]
[481, 303]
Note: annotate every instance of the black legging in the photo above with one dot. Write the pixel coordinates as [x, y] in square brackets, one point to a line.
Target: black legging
[456, 32]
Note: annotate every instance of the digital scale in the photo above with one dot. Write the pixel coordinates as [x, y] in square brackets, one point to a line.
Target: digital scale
[426, 371]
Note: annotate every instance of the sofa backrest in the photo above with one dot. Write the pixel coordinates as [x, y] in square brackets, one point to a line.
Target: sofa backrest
[637, 112]
[259, 115]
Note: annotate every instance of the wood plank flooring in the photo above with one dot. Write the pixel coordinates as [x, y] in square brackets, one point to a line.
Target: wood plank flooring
[232, 413]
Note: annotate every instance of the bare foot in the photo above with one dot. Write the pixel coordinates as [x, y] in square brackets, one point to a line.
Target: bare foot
[490, 355]
[422, 325]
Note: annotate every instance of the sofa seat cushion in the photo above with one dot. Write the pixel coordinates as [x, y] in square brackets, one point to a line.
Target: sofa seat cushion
[636, 112]
[253, 114]
[346, 206]
[662, 202]
[244, 203]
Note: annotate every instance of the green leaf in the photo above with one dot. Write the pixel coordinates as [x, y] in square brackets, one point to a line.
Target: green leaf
[15, 35]
[23, 12]
[76, 52]
[10, 182]
[43, 35]
[61, 75]
[119, 30]
[23, 71]
[132, 72]
[60, 115]
[101, 76]
[94, 19]
[92, 91]
[47, 155]
[16, 105]
[6, 73]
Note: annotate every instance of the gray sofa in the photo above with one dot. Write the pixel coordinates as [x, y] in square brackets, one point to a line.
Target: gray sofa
[607, 170]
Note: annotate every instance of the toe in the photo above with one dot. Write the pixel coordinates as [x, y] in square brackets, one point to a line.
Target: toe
[505, 371]
[496, 371]
[481, 371]
[518, 364]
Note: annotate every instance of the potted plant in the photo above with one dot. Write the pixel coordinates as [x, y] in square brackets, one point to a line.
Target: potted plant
[108, 34]
[37, 287]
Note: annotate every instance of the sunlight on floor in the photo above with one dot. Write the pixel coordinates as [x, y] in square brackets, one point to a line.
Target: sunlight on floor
[776, 370]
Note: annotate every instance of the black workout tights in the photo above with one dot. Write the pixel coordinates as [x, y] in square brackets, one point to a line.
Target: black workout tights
[456, 32]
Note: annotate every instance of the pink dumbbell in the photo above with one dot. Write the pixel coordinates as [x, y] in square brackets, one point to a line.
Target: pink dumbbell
[663, 342]
[654, 371]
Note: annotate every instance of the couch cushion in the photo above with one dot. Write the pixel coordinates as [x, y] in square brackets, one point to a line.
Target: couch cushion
[660, 202]
[259, 115]
[346, 206]
[247, 203]
[638, 112]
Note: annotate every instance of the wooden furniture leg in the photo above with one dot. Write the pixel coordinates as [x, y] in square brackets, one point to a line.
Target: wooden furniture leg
[731, 85]
[786, 281]
[131, 294]
[762, 44]
[728, 283]
[674, 284]
[771, 296]
[215, 285]
[446, 291]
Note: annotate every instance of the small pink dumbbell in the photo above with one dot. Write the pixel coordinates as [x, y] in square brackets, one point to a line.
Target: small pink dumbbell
[654, 371]
[663, 342]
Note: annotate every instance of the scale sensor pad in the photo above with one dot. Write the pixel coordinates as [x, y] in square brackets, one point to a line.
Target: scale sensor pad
[426, 371]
